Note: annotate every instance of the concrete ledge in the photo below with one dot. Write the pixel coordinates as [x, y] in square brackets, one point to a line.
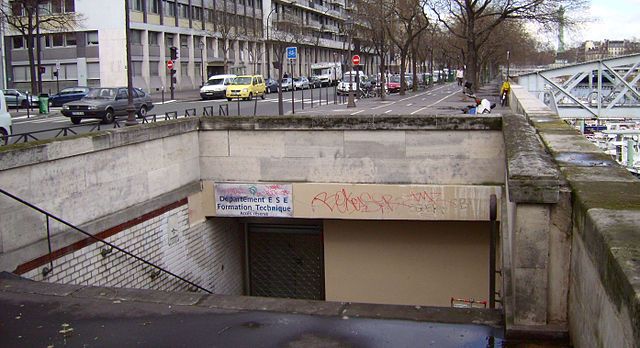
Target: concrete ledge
[18, 155]
[531, 173]
[339, 122]
[487, 317]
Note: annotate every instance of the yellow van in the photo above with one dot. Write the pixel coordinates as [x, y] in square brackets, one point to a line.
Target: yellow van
[246, 87]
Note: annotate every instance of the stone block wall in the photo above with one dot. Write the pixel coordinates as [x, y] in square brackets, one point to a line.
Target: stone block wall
[208, 254]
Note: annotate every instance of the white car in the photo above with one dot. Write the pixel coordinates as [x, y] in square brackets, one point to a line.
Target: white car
[216, 86]
[301, 83]
[5, 121]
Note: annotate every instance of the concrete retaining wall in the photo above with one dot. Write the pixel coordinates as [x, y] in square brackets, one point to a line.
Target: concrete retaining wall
[371, 149]
[604, 296]
[89, 177]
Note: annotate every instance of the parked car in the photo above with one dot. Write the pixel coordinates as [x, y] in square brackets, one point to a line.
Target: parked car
[216, 86]
[287, 84]
[301, 82]
[67, 95]
[315, 82]
[393, 85]
[16, 98]
[272, 85]
[106, 103]
[5, 121]
[246, 87]
[349, 82]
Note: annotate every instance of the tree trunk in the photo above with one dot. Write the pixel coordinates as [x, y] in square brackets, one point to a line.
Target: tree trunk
[403, 82]
[471, 73]
[32, 65]
[383, 87]
[415, 72]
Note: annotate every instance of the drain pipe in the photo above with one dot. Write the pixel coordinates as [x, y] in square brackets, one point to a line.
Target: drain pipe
[493, 210]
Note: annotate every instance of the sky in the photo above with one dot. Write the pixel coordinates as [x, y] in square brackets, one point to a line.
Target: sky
[613, 20]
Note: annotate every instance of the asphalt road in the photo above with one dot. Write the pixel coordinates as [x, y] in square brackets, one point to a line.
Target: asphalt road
[439, 99]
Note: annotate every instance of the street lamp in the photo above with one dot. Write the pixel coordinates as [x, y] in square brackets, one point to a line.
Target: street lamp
[267, 42]
[131, 110]
[351, 103]
[201, 46]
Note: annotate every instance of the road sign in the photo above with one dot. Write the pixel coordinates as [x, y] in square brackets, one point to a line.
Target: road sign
[356, 59]
[292, 52]
[169, 64]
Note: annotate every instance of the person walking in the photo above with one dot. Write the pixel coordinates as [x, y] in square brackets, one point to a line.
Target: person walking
[460, 76]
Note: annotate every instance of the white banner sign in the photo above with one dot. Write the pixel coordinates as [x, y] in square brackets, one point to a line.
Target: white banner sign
[262, 200]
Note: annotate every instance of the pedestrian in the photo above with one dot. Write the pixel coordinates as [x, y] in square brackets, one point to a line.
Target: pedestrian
[285, 75]
[460, 76]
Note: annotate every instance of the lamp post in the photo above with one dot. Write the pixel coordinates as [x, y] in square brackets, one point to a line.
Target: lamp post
[201, 47]
[267, 43]
[351, 103]
[131, 110]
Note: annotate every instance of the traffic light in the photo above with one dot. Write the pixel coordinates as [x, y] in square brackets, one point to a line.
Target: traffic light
[55, 73]
[174, 52]
[173, 75]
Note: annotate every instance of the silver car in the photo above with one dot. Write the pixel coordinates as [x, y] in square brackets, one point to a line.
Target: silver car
[106, 104]
[16, 98]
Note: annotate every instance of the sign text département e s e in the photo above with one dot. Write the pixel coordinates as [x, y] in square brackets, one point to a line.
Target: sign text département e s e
[259, 200]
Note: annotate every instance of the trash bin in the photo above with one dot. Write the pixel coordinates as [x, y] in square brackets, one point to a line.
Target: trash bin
[43, 103]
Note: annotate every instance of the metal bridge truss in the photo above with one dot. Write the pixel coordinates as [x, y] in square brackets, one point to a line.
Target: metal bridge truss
[604, 89]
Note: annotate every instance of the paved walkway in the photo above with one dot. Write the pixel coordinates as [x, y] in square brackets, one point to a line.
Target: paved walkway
[34, 314]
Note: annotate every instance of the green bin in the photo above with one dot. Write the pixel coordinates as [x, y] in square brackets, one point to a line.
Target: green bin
[43, 103]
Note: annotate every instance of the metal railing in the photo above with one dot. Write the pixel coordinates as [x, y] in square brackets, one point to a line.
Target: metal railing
[50, 216]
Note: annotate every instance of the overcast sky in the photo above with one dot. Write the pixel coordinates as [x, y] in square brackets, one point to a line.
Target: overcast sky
[614, 20]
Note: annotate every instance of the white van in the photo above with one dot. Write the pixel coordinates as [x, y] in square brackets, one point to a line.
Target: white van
[216, 86]
[349, 82]
[5, 121]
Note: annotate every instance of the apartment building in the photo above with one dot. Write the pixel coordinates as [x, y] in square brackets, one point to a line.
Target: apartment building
[212, 36]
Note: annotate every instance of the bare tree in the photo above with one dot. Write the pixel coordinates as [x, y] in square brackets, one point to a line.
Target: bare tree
[474, 21]
[29, 17]
[411, 21]
[226, 28]
[374, 32]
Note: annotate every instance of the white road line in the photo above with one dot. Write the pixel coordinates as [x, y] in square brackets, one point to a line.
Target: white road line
[388, 111]
[409, 104]
[432, 104]
[355, 113]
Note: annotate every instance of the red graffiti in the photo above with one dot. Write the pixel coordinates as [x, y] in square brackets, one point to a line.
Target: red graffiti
[346, 202]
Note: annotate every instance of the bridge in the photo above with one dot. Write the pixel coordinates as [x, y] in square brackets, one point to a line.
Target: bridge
[518, 210]
[602, 89]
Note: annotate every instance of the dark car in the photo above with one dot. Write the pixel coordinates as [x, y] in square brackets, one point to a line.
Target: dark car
[67, 95]
[315, 82]
[106, 103]
[272, 86]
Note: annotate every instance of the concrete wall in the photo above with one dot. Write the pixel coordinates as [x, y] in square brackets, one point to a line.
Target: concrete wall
[406, 262]
[209, 254]
[604, 255]
[86, 178]
[393, 150]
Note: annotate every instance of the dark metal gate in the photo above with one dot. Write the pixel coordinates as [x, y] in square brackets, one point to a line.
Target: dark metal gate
[286, 261]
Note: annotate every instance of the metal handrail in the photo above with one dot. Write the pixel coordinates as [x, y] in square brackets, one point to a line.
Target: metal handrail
[49, 215]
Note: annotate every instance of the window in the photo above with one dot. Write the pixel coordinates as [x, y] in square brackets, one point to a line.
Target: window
[18, 42]
[137, 5]
[183, 11]
[92, 38]
[54, 40]
[93, 70]
[184, 41]
[135, 37]
[153, 38]
[154, 6]
[197, 13]
[184, 69]
[137, 68]
[170, 8]
[69, 6]
[154, 68]
[16, 8]
[21, 73]
[56, 6]
[70, 39]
